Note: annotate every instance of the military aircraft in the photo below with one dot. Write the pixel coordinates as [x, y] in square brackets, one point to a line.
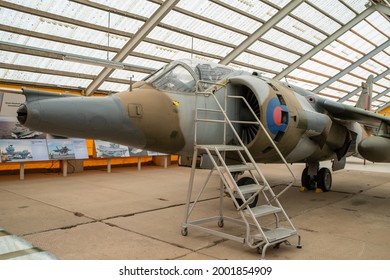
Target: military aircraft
[61, 150]
[158, 114]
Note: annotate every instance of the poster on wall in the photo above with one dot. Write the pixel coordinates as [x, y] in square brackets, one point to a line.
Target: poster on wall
[10, 103]
[106, 149]
[10, 128]
[23, 150]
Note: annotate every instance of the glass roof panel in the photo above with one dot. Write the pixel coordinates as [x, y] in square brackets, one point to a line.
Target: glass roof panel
[256, 8]
[69, 36]
[336, 9]
[374, 66]
[319, 68]
[139, 7]
[113, 87]
[200, 27]
[328, 58]
[125, 75]
[188, 42]
[261, 62]
[57, 28]
[316, 18]
[23, 76]
[358, 5]
[272, 51]
[379, 22]
[302, 30]
[286, 41]
[47, 63]
[361, 72]
[371, 35]
[356, 42]
[293, 81]
[161, 51]
[220, 14]
[83, 13]
[354, 80]
[153, 64]
[310, 78]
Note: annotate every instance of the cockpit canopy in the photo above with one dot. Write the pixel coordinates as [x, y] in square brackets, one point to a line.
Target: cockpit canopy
[183, 75]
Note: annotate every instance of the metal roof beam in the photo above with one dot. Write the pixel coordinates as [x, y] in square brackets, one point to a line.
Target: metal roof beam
[57, 72]
[191, 34]
[261, 31]
[158, 15]
[127, 34]
[22, 49]
[383, 9]
[326, 42]
[384, 106]
[359, 89]
[79, 43]
[353, 66]
[383, 93]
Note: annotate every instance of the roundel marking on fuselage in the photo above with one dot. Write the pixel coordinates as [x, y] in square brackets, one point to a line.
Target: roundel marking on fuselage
[274, 116]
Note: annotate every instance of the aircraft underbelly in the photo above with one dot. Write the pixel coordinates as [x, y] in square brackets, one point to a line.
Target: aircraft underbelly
[304, 149]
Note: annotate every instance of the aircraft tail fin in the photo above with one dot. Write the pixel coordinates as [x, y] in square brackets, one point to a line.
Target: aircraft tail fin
[364, 101]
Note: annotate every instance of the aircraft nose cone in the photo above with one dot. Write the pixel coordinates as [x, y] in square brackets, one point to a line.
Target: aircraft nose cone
[22, 114]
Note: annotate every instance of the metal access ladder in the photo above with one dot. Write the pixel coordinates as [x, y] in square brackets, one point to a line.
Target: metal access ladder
[258, 230]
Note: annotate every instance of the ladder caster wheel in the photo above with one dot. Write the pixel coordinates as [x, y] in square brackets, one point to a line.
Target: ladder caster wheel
[260, 249]
[184, 231]
[221, 223]
[299, 246]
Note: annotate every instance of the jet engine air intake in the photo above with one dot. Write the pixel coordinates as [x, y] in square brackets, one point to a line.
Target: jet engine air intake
[248, 131]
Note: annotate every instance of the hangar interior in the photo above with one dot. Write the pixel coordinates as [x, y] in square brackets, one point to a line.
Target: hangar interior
[100, 47]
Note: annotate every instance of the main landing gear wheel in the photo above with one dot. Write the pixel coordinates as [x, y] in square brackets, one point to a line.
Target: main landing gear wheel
[324, 179]
[247, 181]
[308, 181]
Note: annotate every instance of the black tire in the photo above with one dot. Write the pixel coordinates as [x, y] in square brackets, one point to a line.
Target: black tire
[246, 181]
[324, 179]
[307, 182]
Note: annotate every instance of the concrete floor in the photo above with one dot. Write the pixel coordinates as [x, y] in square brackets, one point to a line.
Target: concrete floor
[130, 214]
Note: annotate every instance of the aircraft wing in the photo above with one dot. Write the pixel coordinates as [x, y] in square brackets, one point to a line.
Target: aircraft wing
[349, 113]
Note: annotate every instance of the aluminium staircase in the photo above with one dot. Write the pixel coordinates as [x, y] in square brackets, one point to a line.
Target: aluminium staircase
[257, 229]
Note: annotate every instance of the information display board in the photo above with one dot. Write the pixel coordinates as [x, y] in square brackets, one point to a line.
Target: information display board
[23, 150]
[106, 149]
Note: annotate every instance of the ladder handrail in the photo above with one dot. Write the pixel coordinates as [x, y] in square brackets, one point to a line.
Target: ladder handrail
[230, 123]
[270, 140]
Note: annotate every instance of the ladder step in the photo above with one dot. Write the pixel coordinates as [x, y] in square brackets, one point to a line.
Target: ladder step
[221, 148]
[279, 234]
[248, 189]
[262, 210]
[238, 168]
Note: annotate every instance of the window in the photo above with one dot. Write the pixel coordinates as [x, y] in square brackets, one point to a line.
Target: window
[178, 79]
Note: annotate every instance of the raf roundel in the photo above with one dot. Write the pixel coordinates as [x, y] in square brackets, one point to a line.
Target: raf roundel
[277, 116]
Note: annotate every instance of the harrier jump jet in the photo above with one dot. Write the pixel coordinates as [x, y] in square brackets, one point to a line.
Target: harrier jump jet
[158, 114]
